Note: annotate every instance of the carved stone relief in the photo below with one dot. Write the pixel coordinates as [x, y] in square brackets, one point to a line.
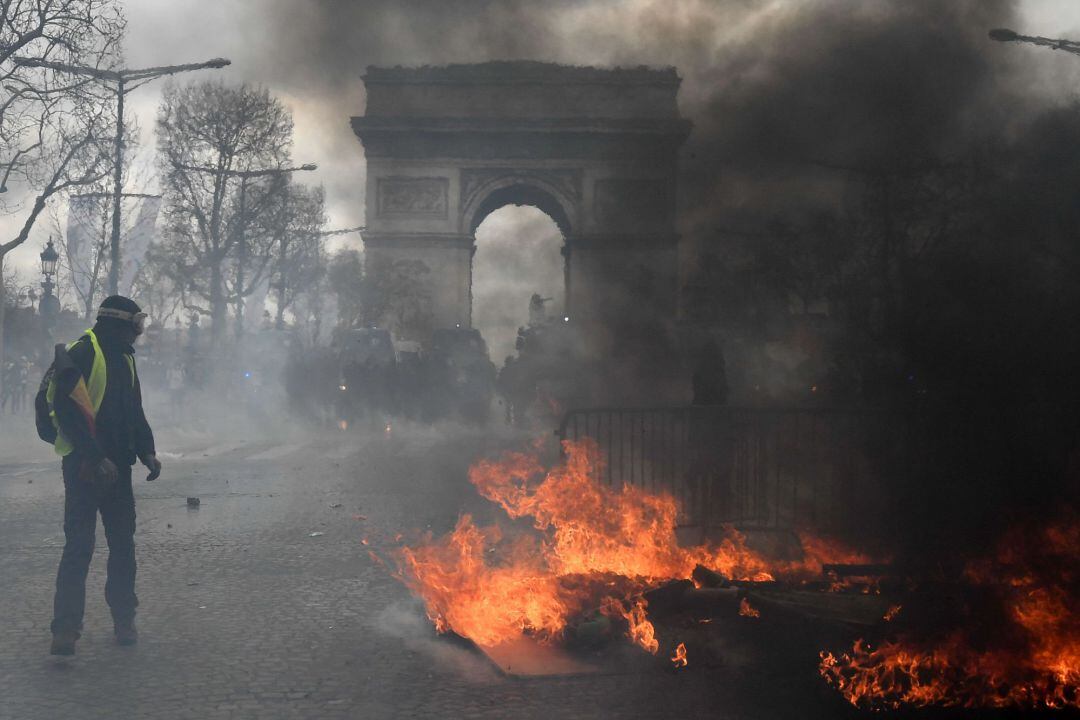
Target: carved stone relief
[412, 196]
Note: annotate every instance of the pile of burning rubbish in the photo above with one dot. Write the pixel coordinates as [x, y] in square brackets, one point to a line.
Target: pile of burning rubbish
[1006, 634]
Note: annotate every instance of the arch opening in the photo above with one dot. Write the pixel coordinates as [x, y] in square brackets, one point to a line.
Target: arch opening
[521, 194]
[518, 253]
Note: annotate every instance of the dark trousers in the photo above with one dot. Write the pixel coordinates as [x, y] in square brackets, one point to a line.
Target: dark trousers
[82, 501]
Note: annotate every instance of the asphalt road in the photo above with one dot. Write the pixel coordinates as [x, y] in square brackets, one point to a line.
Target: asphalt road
[244, 614]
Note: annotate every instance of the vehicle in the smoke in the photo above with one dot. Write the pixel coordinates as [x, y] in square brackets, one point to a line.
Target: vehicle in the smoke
[367, 365]
[462, 376]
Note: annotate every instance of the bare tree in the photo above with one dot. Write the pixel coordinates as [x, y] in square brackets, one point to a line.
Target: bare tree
[156, 293]
[345, 276]
[54, 130]
[224, 129]
[262, 215]
[383, 292]
[299, 253]
[313, 304]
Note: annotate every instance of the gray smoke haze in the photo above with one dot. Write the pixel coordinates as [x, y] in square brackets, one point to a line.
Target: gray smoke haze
[772, 86]
[813, 79]
[775, 89]
[769, 85]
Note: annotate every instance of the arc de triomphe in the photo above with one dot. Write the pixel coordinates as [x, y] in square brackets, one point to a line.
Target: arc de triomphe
[595, 149]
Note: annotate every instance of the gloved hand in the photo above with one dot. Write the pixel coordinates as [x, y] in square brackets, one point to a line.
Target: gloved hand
[153, 465]
[104, 475]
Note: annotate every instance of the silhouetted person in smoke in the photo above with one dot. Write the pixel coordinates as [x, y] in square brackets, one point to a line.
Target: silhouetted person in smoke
[174, 379]
[22, 379]
[504, 386]
[194, 332]
[101, 429]
[8, 396]
[537, 312]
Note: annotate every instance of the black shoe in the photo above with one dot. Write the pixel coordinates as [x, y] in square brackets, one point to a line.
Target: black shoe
[63, 643]
[125, 632]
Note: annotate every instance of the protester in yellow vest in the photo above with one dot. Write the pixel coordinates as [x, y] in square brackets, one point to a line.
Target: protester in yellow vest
[96, 403]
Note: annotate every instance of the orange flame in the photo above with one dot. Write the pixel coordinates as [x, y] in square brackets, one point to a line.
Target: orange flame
[746, 610]
[641, 630]
[1031, 659]
[593, 546]
[679, 658]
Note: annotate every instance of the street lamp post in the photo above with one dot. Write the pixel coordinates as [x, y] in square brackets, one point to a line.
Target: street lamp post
[244, 176]
[122, 78]
[49, 307]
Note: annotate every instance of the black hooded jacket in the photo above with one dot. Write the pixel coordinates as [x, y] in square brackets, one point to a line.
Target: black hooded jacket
[122, 432]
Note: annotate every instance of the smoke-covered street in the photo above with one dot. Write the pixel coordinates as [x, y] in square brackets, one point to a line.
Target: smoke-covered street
[249, 610]
[504, 359]
[246, 614]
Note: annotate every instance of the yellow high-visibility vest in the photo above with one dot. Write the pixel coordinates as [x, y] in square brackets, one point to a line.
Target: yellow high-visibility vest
[87, 395]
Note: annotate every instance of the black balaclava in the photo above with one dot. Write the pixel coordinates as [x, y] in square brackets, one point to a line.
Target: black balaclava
[113, 328]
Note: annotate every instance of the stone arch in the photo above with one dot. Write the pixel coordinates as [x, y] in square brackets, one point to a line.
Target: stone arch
[595, 149]
[514, 189]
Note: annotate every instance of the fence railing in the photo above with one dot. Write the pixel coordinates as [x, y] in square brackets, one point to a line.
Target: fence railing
[767, 468]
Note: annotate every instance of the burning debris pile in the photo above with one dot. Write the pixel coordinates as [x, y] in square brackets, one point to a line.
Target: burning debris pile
[592, 548]
[1006, 635]
[1009, 638]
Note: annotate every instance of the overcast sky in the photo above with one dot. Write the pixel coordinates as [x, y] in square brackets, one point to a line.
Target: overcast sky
[312, 53]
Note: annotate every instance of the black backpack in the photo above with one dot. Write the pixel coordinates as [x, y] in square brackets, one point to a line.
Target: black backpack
[42, 410]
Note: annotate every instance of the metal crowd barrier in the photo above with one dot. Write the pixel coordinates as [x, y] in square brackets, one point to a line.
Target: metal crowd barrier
[753, 467]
